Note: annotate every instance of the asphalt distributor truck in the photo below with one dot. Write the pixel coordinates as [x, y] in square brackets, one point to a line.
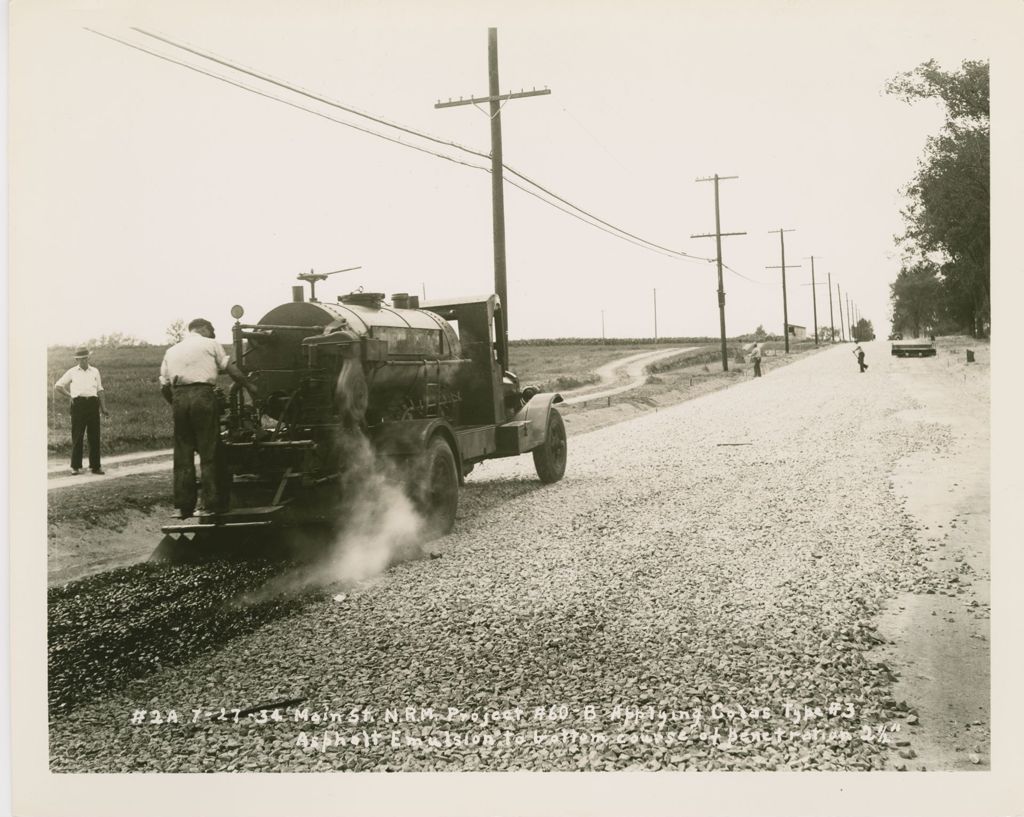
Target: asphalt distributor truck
[426, 385]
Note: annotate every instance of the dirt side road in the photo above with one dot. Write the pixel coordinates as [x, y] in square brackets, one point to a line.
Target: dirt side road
[629, 369]
[736, 556]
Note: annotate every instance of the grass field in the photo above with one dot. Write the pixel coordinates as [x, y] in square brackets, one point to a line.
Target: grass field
[141, 421]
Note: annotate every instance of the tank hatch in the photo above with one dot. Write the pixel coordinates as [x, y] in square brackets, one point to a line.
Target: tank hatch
[370, 299]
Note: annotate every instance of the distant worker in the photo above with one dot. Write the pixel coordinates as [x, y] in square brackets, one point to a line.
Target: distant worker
[188, 375]
[81, 383]
[755, 357]
[860, 358]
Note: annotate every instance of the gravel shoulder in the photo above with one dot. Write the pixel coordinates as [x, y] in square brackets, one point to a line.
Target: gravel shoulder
[724, 564]
[946, 489]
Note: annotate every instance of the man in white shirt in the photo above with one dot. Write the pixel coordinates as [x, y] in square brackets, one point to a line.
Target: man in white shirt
[859, 354]
[188, 375]
[83, 386]
[755, 357]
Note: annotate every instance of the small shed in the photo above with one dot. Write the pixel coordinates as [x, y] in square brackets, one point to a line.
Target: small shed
[797, 332]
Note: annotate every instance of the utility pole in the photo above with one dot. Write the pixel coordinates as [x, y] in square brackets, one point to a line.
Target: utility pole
[495, 98]
[717, 234]
[842, 326]
[849, 316]
[831, 322]
[785, 308]
[655, 314]
[814, 302]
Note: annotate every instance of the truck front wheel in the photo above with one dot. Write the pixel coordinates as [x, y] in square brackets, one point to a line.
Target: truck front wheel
[550, 456]
[438, 495]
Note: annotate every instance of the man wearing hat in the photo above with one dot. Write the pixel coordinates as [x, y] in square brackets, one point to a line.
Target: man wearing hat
[188, 375]
[82, 385]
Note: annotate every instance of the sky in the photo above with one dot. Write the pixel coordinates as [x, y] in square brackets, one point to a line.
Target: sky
[144, 192]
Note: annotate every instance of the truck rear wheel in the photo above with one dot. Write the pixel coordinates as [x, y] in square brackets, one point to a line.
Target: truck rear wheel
[438, 495]
[550, 456]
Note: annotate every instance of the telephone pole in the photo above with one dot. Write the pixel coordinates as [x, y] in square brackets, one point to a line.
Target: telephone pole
[655, 314]
[842, 326]
[831, 322]
[849, 315]
[495, 98]
[814, 301]
[717, 234]
[785, 308]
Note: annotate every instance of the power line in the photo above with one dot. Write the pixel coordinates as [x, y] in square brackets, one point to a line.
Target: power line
[624, 232]
[598, 142]
[265, 95]
[412, 131]
[310, 94]
[619, 232]
[747, 278]
[669, 254]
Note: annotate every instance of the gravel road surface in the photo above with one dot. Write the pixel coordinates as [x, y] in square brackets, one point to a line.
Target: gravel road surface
[699, 592]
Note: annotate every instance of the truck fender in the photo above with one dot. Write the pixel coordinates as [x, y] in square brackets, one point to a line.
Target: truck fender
[536, 411]
[407, 438]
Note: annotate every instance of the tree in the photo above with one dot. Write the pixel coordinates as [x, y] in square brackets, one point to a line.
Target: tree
[863, 330]
[760, 334]
[916, 297]
[115, 340]
[176, 331]
[948, 212]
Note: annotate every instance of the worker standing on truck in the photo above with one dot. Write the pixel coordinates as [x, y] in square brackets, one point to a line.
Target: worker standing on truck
[82, 385]
[188, 375]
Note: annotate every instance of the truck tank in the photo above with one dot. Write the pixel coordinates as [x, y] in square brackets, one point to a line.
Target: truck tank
[418, 372]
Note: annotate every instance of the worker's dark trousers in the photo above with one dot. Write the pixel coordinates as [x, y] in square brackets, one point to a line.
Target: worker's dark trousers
[757, 367]
[196, 429]
[85, 419]
[861, 363]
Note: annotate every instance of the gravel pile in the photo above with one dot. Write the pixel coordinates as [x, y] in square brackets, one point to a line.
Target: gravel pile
[697, 593]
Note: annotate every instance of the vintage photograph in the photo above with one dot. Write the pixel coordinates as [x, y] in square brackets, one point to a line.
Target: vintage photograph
[566, 388]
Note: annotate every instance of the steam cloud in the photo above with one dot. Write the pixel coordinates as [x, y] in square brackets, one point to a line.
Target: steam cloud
[379, 524]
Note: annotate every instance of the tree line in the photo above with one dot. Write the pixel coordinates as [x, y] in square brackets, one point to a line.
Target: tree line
[943, 283]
